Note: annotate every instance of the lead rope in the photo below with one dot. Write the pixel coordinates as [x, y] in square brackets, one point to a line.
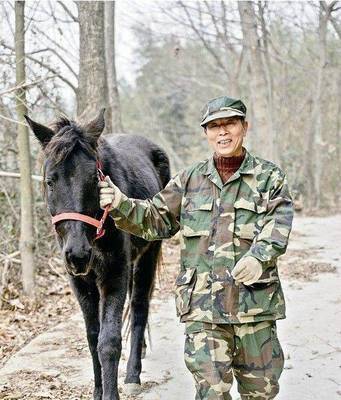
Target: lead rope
[100, 231]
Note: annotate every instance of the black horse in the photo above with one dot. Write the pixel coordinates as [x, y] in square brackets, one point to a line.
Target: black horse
[103, 271]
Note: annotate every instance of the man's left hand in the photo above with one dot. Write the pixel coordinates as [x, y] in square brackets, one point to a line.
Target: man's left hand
[247, 270]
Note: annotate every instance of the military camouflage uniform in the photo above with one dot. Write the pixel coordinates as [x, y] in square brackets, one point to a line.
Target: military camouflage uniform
[228, 325]
[252, 351]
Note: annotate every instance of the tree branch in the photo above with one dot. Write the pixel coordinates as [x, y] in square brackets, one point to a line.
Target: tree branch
[61, 58]
[55, 43]
[68, 12]
[46, 66]
[26, 85]
[17, 175]
[202, 39]
[12, 120]
[329, 8]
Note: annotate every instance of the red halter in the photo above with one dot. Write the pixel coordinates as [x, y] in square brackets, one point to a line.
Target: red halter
[85, 218]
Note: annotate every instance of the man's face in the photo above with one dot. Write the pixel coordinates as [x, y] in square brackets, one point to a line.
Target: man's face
[226, 135]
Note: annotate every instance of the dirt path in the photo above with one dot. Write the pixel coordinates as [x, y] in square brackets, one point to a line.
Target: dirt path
[56, 364]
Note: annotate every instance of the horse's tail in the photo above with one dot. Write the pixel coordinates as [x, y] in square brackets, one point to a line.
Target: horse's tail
[161, 163]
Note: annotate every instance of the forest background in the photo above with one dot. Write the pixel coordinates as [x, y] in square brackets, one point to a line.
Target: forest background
[153, 65]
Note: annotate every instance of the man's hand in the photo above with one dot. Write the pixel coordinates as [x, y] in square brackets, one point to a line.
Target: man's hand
[247, 270]
[109, 194]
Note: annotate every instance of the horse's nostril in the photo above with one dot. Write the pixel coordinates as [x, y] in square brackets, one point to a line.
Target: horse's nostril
[77, 259]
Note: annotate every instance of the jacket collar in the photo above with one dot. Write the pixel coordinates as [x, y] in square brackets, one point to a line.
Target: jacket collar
[247, 168]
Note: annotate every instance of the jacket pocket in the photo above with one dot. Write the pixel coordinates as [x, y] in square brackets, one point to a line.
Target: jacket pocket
[196, 216]
[257, 298]
[184, 286]
[249, 218]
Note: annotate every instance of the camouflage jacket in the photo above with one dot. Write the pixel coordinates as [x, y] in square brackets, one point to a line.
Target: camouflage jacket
[251, 214]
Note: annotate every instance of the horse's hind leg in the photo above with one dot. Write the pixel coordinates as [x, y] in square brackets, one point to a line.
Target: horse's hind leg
[88, 298]
[143, 279]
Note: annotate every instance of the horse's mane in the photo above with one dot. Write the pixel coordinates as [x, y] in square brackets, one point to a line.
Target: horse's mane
[69, 136]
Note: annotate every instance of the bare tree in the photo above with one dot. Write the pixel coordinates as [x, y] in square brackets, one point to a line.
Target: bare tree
[316, 144]
[209, 24]
[268, 72]
[264, 143]
[92, 83]
[113, 96]
[26, 192]
[332, 7]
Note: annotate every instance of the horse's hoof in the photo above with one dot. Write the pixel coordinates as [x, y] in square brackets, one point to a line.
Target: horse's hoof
[132, 389]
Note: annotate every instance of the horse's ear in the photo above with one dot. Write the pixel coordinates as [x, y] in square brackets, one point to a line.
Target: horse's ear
[95, 127]
[42, 133]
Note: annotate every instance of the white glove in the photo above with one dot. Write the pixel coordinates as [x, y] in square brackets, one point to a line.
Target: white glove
[109, 193]
[247, 270]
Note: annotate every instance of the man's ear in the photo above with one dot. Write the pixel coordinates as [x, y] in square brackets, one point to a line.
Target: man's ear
[245, 126]
[42, 132]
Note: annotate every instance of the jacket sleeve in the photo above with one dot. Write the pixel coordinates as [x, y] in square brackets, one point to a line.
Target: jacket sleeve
[151, 219]
[272, 240]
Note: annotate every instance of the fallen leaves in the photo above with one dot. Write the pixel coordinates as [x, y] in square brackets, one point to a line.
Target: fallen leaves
[39, 386]
[302, 265]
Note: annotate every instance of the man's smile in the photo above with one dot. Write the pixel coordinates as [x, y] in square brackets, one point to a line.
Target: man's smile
[224, 141]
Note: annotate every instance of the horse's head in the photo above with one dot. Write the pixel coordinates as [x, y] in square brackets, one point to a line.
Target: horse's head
[70, 183]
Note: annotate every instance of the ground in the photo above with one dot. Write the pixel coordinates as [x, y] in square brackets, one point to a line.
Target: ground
[54, 363]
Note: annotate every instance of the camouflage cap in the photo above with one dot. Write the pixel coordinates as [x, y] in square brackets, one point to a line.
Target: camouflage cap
[222, 107]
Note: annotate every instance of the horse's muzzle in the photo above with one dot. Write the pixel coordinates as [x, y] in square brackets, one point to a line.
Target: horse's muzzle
[78, 263]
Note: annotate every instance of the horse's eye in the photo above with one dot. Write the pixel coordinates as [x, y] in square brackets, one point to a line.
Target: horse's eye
[49, 182]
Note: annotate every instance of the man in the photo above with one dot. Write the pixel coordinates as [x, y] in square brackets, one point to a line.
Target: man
[234, 213]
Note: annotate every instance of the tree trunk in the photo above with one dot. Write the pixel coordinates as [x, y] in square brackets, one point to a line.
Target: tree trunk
[92, 88]
[26, 192]
[262, 140]
[338, 142]
[269, 81]
[316, 144]
[113, 96]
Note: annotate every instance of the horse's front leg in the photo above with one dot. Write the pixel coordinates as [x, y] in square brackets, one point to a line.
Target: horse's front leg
[143, 280]
[88, 298]
[110, 340]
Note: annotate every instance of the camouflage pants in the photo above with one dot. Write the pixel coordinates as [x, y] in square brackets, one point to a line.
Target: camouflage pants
[250, 352]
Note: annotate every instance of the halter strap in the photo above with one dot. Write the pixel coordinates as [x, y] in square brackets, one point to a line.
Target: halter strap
[77, 217]
[85, 218]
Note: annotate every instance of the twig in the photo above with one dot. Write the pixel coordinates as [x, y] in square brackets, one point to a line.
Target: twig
[26, 85]
[56, 259]
[68, 12]
[17, 175]
[3, 189]
[12, 120]
[3, 280]
[55, 271]
[44, 65]
[9, 256]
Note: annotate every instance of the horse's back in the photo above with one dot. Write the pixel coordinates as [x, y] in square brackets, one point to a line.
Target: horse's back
[138, 166]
